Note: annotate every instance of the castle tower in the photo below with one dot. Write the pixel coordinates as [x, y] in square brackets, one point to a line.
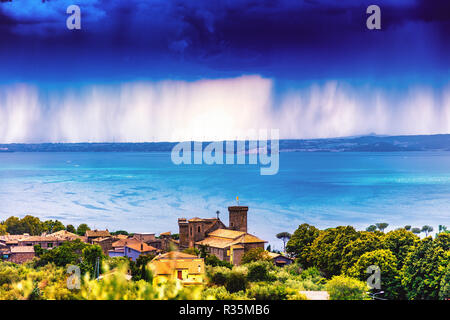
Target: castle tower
[238, 218]
[184, 232]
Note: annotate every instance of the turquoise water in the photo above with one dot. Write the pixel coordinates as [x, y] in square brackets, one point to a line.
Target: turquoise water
[145, 192]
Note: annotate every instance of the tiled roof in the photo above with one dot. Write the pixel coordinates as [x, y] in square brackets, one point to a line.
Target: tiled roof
[140, 247]
[121, 236]
[174, 260]
[123, 242]
[97, 233]
[22, 249]
[168, 233]
[175, 255]
[223, 238]
[39, 238]
[64, 234]
[215, 242]
[249, 238]
[225, 233]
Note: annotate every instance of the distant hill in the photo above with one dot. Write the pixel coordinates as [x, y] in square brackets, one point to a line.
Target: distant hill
[371, 143]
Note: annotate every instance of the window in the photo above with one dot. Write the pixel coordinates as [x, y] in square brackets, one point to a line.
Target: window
[180, 275]
[198, 228]
[190, 230]
[49, 245]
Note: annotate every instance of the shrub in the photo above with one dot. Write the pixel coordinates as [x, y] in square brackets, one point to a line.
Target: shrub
[236, 281]
[255, 254]
[218, 275]
[390, 277]
[259, 271]
[345, 288]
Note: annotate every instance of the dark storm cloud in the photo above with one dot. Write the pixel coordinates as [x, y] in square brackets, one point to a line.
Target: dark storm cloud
[243, 35]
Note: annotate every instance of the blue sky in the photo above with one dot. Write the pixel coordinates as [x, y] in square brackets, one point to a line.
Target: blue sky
[295, 45]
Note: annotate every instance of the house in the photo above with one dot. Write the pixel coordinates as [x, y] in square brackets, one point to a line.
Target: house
[105, 243]
[144, 237]
[280, 260]
[13, 239]
[94, 234]
[188, 269]
[134, 250]
[118, 247]
[19, 254]
[46, 242]
[66, 235]
[227, 244]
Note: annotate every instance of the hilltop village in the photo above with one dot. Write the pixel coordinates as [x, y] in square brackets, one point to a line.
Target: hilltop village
[211, 235]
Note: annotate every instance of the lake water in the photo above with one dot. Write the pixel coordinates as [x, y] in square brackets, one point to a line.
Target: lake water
[145, 192]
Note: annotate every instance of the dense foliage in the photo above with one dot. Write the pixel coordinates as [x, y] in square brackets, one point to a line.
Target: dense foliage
[410, 268]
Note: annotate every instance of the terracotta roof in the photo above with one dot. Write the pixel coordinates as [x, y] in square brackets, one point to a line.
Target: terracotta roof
[97, 233]
[215, 242]
[168, 233]
[249, 238]
[175, 260]
[22, 249]
[175, 255]
[12, 237]
[39, 238]
[123, 242]
[225, 233]
[223, 238]
[121, 236]
[64, 234]
[140, 247]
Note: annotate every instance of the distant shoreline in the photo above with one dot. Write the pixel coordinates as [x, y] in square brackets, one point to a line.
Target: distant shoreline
[370, 143]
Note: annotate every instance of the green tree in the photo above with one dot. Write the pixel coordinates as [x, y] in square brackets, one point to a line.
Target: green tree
[425, 267]
[381, 226]
[299, 246]
[3, 229]
[390, 275]
[71, 228]
[13, 226]
[416, 230]
[443, 229]
[67, 253]
[366, 242]
[51, 226]
[408, 227]
[328, 249]
[259, 271]
[255, 254]
[444, 293]
[236, 281]
[140, 270]
[427, 229]
[91, 254]
[284, 236]
[82, 228]
[371, 228]
[345, 288]
[400, 242]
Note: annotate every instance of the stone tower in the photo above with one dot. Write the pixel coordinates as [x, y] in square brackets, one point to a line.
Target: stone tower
[238, 218]
[184, 232]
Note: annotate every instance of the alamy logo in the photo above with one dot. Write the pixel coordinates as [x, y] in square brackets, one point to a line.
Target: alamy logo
[74, 20]
[374, 20]
[256, 150]
[374, 281]
[74, 279]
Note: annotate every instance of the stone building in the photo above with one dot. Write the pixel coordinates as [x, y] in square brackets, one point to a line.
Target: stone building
[228, 244]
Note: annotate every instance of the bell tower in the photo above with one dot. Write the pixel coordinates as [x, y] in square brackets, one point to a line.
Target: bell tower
[238, 218]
